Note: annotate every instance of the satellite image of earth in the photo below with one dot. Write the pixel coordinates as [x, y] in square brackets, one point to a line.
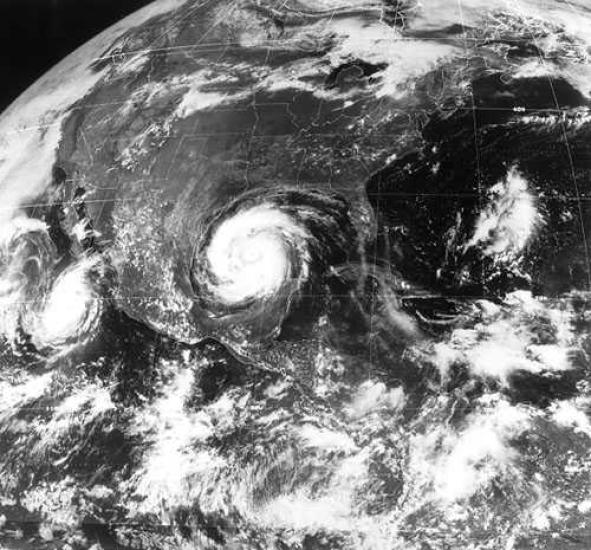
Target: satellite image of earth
[301, 275]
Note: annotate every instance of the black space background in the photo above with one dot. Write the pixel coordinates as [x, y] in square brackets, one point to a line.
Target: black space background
[36, 34]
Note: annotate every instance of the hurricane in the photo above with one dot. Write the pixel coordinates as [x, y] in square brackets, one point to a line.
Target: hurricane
[26, 258]
[268, 253]
[251, 255]
[71, 309]
[301, 276]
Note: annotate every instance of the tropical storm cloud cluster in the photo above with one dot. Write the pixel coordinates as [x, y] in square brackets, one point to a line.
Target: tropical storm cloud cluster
[301, 275]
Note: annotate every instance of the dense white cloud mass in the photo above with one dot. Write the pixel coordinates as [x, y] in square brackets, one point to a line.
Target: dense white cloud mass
[254, 290]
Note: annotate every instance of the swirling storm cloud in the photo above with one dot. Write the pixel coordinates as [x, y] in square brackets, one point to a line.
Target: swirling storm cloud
[301, 275]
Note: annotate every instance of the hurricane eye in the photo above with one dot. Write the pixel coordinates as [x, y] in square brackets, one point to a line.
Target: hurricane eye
[250, 252]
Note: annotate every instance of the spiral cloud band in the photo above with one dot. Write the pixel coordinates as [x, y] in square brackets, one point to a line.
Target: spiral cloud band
[71, 310]
[26, 254]
[265, 253]
[251, 255]
[51, 306]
